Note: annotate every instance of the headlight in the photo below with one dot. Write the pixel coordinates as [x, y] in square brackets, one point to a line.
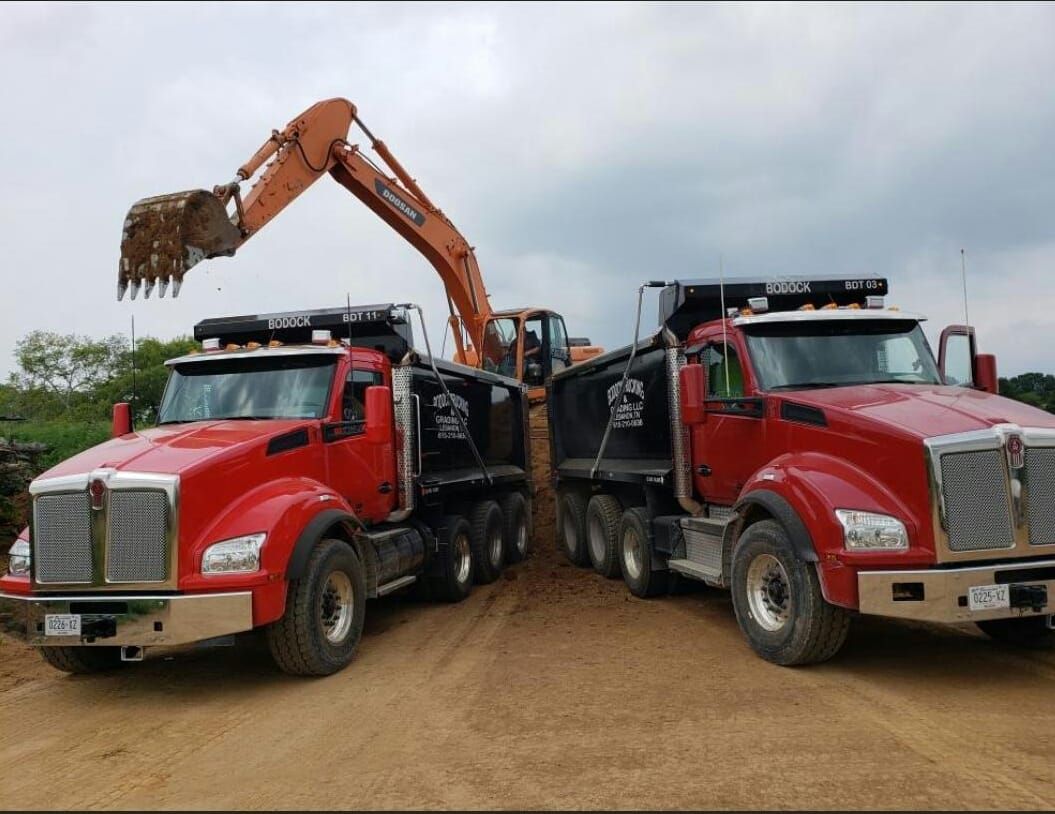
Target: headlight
[18, 559]
[240, 555]
[866, 531]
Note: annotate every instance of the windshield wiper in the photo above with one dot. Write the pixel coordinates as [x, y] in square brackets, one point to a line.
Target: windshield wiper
[808, 385]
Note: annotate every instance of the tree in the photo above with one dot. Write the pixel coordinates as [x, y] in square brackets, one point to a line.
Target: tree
[64, 365]
[150, 377]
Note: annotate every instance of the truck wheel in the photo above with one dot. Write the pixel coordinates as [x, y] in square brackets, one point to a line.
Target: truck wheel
[454, 581]
[1031, 632]
[635, 555]
[603, 514]
[488, 528]
[778, 600]
[517, 533]
[82, 660]
[572, 529]
[325, 609]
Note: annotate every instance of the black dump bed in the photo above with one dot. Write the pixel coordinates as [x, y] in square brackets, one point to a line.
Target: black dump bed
[493, 409]
[580, 402]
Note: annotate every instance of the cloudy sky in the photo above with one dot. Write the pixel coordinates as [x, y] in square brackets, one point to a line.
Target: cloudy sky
[580, 148]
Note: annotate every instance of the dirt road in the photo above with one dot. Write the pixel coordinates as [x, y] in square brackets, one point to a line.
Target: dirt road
[550, 689]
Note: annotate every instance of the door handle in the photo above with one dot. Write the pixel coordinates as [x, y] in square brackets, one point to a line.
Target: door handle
[385, 488]
[703, 470]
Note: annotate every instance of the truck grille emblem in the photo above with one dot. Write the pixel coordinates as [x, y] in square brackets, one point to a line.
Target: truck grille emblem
[1014, 451]
[97, 490]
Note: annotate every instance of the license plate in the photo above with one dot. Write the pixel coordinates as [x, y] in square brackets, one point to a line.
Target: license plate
[988, 597]
[62, 624]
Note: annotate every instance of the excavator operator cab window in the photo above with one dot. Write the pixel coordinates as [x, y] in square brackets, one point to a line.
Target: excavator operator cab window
[560, 355]
[353, 403]
[500, 350]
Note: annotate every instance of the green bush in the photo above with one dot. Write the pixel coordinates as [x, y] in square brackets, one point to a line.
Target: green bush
[63, 438]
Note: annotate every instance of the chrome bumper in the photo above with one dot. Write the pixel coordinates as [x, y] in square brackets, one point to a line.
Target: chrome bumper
[138, 620]
[940, 595]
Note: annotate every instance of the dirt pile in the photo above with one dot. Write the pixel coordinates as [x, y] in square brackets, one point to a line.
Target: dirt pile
[543, 508]
[19, 464]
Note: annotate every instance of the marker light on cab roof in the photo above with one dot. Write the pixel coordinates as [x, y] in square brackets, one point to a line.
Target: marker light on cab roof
[274, 343]
[320, 337]
[210, 344]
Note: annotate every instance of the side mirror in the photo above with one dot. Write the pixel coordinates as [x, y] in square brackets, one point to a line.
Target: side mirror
[533, 373]
[985, 373]
[122, 420]
[693, 381]
[957, 356]
[379, 415]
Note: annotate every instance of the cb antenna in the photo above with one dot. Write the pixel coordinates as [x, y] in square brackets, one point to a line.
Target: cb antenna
[963, 272]
[725, 323]
[133, 416]
[348, 315]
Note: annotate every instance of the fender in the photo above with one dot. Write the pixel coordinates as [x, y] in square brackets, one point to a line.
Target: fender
[783, 513]
[802, 491]
[312, 534]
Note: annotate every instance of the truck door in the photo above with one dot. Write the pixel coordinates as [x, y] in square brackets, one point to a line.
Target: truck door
[357, 468]
[727, 447]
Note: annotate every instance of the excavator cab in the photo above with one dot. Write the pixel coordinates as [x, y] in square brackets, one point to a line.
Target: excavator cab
[529, 344]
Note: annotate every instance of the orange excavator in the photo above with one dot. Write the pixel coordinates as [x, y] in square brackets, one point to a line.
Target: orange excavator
[165, 236]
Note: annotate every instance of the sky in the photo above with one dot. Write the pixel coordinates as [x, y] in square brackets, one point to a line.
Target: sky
[581, 149]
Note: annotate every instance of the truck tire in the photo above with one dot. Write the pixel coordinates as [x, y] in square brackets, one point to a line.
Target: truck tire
[517, 532]
[572, 529]
[1031, 632]
[487, 539]
[454, 581]
[778, 600]
[603, 515]
[635, 555]
[82, 660]
[325, 609]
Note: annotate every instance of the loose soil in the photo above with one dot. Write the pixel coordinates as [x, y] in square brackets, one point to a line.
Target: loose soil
[551, 688]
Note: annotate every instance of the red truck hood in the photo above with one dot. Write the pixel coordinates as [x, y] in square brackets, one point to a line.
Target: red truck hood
[174, 448]
[923, 411]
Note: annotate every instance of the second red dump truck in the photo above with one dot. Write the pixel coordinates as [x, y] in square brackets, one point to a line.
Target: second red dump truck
[796, 442]
[302, 463]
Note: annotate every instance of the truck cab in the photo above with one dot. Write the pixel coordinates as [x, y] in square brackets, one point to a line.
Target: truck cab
[301, 464]
[804, 448]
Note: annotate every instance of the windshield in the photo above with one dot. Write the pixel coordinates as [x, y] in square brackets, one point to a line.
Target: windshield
[500, 350]
[281, 387]
[833, 353]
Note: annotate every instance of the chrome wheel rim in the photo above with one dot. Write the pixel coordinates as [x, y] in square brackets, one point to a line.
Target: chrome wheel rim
[632, 554]
[769, 592]
[596, 539]
[522, 537]
[570, 541]
[463, 558]
[337, 607]
[494, 548]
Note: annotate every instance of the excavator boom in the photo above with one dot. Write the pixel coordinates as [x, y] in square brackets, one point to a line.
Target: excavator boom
[165, 236]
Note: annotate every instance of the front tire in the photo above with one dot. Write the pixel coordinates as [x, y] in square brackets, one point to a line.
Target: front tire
[603, 515]
[778, 600]
[325, 609]
[635, 555]
[572, 529]
[82, 660]
[1030, 632]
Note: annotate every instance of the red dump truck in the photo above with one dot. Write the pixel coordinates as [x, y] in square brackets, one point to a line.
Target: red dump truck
[796, 442]
[302, 464]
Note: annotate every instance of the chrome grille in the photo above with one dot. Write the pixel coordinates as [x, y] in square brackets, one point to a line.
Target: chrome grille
[974, 488]
[1040, 480]
[136, 536]
[62, 538]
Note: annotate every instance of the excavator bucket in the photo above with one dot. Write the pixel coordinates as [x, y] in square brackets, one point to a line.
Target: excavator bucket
[165, 236]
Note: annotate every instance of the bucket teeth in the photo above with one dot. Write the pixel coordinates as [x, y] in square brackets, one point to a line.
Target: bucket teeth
[134, 288]
[148, 286]
[163, 284]
[122, 287]
[176, 284]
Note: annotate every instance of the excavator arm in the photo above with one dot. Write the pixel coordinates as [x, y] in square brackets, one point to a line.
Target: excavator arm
[165, 236]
